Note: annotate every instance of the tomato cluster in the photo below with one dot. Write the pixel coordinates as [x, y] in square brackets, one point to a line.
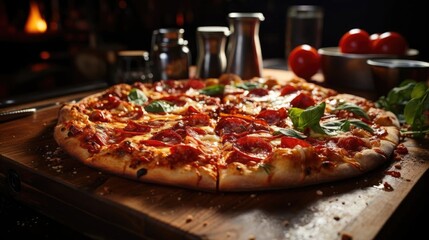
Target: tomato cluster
[304, 60]
[359, 41]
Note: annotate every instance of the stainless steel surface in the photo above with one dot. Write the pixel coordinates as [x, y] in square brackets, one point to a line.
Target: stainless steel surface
[244, 49]
[170, 56]
[15, 114]
[37, 96]
[211, 60]
[351, 70]
[389, 73]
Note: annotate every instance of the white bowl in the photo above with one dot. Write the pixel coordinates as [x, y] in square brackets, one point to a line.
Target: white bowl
[351, 71]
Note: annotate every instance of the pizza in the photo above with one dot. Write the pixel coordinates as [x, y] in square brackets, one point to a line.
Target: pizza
[227, 134]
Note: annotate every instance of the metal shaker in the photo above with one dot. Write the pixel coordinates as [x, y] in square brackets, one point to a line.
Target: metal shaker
[211, 60]
[244, 49]
[170, 55]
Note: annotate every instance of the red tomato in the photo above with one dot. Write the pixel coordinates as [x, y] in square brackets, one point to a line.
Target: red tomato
[390, 43]
[373, 38]
[355, 41]
[304, 61]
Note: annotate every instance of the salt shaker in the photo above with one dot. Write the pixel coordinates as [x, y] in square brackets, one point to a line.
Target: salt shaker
[211, 60]
[170, 55]
[244, 48]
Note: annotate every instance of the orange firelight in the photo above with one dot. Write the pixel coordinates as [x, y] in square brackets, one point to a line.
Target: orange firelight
[35, 22]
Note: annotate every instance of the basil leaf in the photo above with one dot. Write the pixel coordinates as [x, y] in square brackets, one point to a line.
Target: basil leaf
[353, 108]
[248, 85]
[159, 106]
[419, 90]
[400, 94]
[214, 90]
[290, 133]
[333, 127]
[137, 96]
[411, 110]
[294, 115]
[345, 126]
[414, 111]
[358, 123]
[308, 118]
[409, 102]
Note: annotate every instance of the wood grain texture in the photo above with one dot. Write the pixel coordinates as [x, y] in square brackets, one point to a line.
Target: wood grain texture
[51, 180]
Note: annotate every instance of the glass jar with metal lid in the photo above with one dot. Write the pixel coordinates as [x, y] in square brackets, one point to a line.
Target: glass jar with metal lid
[170, 55]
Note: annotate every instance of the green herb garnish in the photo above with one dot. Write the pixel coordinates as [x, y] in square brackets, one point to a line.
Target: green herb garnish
[248, 85]
[159, 106]
[136, 96]
[335, 126]
[410, 102]
[215, 90]
[308, 118]
[290, 133]
[353, 108]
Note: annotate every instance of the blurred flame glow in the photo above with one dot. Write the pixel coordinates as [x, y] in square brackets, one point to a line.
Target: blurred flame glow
[35, 22]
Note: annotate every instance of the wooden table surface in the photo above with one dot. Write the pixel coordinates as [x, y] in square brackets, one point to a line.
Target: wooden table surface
[36, 172]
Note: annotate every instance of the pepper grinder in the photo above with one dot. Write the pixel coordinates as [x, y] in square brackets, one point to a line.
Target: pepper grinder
[211, 61]
[244, 48]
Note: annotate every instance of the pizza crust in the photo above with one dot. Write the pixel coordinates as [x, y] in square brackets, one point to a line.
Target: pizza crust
[189, 177]
[69, 144]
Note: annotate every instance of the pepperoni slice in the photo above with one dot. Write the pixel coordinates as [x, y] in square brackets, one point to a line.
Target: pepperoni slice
[258, 92]
[232, 137]
[231, 125]
[93, 141]
[167, 136]
[175, 99]
[290, 142]
[108, 102]
[191, 110]
[195, 84]
[272, 117]
[136, 127]
[112, 102]
[351, 143]
[254, 146]
[184, 154]
[303, 101]
[288, 89]
[238, 156]
[98, 116]
[74, 131]
[154, 143]
[258, 126]
[197, 119]
[192, 131]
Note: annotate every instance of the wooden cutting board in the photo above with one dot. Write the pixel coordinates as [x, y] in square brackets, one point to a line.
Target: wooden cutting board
[35, 171]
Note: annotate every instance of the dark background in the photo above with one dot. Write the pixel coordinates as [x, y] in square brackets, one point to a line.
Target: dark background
[97, 28]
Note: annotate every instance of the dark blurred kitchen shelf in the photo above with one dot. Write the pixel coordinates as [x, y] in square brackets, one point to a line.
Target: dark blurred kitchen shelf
[26, 98]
